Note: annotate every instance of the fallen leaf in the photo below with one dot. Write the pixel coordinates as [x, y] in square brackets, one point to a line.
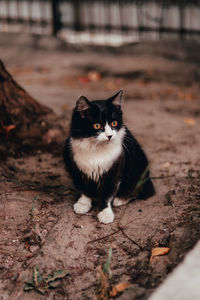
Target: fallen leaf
[186, 96]
[84, 79]
[54, 284]
[159, 251]
[118, 288]
[35, 276]
[28, 288]
[94, 76]
[8, 128]
[42, 285]
[189, 121]
[102, 286]
[57, 275]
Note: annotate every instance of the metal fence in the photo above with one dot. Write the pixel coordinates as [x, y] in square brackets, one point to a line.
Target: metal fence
[26, 15]
[81, 19]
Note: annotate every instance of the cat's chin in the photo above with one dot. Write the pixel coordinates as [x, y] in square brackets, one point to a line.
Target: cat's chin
[110, 141]
[105, 143]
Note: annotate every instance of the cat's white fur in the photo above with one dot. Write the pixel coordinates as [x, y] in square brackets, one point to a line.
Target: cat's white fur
[83, 205]
[95, 155]
[119, 202]
[106, 215]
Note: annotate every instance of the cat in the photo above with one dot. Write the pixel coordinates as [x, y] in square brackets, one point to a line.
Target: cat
[106, 163]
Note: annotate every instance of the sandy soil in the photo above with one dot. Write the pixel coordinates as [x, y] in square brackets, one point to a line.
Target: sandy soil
[38, 225]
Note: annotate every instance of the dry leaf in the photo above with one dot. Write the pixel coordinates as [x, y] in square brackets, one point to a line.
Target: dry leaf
[103, 285]
[189, 121]
[8, 128]
[57, 275]
[35, 276]
[119, 288]
[159, 251]
[84, 79]
[186, 96]
[94, 76]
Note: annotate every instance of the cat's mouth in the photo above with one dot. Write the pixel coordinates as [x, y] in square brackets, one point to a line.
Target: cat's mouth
[105, 140]
[109, 141]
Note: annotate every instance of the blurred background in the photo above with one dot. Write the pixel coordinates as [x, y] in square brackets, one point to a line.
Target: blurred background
[108, 22]
[150, 48]
[59, 50]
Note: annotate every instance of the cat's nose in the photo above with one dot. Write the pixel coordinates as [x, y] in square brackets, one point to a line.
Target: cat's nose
[109, 137]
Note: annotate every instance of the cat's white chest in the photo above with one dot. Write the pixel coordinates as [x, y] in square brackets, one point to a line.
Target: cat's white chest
[94, 160]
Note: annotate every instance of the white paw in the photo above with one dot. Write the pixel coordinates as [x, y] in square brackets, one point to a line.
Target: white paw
[83, 205]
[106, 216]
[119, 202]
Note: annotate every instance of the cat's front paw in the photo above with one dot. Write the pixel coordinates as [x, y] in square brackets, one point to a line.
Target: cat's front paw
[106, 216]
[83, 205]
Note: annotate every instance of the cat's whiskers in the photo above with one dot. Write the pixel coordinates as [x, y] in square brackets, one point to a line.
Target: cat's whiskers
[125, 147]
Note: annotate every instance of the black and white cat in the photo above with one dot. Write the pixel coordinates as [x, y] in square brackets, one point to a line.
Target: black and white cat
[106, 163]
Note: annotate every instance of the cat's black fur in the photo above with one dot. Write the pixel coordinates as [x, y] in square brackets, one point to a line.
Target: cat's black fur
[128, 177]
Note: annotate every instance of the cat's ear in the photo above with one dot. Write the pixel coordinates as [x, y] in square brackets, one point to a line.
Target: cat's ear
[117, 98]
[82, 104]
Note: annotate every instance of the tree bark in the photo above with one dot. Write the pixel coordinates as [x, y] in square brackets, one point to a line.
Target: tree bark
[25, 124]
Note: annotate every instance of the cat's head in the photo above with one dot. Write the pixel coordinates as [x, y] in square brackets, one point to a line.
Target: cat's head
[100, 120]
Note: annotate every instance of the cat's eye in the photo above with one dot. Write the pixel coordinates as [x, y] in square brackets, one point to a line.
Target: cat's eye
[114, 123]
[97, 126]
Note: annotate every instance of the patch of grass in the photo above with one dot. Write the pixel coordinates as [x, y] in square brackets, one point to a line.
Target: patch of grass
[105, 273]
[142, 180]
[40, 284]
[33, 206]
[106, 267]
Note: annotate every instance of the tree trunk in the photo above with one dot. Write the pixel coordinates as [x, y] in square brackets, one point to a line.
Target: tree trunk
[24, 123]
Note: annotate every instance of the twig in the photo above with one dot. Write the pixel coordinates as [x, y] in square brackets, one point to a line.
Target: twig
[104, 237]
[120, 229]
[131, 240]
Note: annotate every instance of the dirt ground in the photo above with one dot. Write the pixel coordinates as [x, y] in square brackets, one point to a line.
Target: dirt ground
[38, 225]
